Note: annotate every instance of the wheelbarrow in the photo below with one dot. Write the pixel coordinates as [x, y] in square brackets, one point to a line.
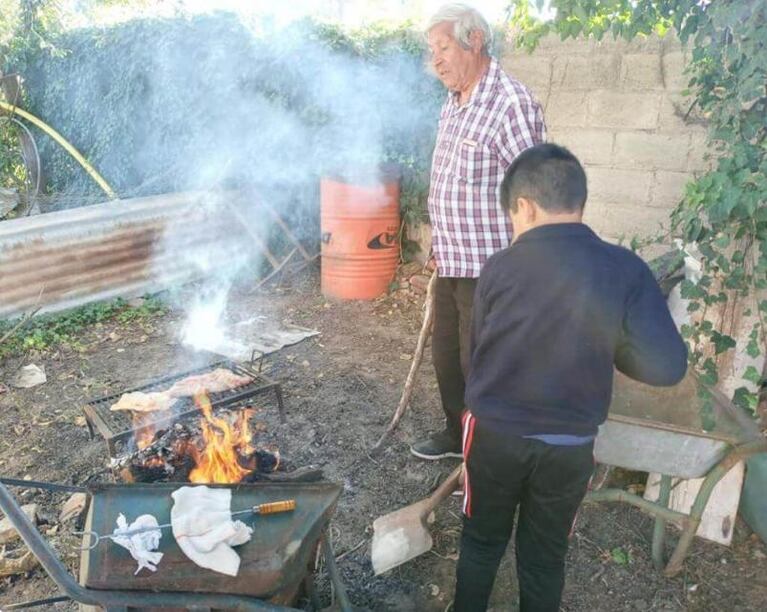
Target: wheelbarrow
[275, 563]
[679, 433]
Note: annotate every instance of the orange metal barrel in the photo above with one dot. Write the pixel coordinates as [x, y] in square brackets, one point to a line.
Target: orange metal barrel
[360, 242]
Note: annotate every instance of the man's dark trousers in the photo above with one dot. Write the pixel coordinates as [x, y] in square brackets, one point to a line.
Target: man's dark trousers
[453, 298]
[547, 483]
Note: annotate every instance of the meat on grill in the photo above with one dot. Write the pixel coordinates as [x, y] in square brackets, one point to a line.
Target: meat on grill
[144, 402]
[215, 381]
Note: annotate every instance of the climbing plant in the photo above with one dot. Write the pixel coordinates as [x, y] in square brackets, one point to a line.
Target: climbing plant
[724, 211]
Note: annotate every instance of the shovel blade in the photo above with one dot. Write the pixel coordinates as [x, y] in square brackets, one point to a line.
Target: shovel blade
[399, 537]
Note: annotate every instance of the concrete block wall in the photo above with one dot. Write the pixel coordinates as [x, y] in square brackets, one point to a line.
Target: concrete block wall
[619, 107]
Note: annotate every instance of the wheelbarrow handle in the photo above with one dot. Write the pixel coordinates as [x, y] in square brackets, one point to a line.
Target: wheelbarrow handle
[48, 486]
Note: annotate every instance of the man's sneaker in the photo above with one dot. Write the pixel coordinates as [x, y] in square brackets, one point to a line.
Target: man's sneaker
[439, 446]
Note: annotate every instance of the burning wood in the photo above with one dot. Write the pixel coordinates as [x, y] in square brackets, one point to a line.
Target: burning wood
[222, 451]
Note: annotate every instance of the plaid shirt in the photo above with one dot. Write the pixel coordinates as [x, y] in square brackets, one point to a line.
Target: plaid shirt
[476, 143]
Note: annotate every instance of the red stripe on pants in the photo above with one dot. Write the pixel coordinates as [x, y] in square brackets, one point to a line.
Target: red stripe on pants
[469, 421]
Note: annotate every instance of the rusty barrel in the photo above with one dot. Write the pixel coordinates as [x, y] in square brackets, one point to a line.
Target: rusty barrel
[360, 236]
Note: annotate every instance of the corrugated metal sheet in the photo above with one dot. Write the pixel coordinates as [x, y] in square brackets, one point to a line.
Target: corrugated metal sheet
[123, 248]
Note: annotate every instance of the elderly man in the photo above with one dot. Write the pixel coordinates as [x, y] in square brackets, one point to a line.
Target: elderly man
[486, 121]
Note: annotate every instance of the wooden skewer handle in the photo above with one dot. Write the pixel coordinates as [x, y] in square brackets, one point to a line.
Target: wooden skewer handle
[287, 505]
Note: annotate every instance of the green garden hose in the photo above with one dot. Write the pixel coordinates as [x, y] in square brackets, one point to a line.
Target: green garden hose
[67, 147]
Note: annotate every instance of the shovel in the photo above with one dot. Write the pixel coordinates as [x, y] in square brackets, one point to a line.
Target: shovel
[403, 534]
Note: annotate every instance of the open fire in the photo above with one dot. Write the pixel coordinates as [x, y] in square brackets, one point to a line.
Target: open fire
[222, 452]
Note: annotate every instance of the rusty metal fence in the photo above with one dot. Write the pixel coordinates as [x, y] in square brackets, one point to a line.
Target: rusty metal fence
[122, 248]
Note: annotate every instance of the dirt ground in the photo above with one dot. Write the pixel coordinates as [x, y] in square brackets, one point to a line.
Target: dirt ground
[340, 390]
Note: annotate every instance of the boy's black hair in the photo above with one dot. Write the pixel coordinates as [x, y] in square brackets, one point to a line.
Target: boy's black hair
[548, 174]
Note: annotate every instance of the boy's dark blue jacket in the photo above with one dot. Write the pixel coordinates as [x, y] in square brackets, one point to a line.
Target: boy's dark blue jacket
[552, 314]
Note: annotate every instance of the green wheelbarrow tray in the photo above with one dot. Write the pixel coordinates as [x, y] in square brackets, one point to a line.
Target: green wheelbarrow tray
[673, 431]
[275, 563]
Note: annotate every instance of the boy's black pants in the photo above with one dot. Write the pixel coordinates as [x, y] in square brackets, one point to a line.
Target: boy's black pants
[547, 483]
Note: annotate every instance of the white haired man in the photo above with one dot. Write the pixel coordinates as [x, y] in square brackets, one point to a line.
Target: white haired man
[487, 120]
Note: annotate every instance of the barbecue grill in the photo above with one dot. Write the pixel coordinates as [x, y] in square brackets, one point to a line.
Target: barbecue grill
[117, 426]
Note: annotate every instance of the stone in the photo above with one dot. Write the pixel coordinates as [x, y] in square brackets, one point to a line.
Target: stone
[599, 71]
[674, 77]
[668, 188]
[620, 222]
[612, 109]
[8, 532]
[419, 282]
[651, 151]
[642, 71]
[609, 185]
[591, 147]
[534, 71]
[566, 109]
[699, 151]
[73, 507]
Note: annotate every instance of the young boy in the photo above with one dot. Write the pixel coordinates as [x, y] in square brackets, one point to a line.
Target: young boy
[553, 314]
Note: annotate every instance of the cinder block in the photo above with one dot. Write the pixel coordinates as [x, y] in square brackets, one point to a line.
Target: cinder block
[534, 71]
[668, 188]
[622, 222]
[674, 77]
[595, 71]
[551, 44]
[593, 147]
[699, 150]
[610, 185]
[673, 113]
[610, 109]
[641, 71]
[651, 151]
[566, 109]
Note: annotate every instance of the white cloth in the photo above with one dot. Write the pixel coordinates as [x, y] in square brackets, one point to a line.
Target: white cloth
[201, 519]
[140, 545]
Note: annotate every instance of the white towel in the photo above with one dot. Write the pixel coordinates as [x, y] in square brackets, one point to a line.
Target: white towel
[201, 519]
[140, 545]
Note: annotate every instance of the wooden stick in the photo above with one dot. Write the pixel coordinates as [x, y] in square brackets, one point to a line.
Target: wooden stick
[275, 215]
[254, 236]
[276, 270]
[407, 391]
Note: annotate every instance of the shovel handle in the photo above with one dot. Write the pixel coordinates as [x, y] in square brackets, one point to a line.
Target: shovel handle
[287, 505]
[446, 488]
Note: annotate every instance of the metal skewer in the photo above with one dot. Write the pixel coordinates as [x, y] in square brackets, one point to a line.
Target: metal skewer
[287, 505]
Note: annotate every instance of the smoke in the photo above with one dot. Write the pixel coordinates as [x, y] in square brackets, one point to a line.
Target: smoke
[262, 107]
[296, 111]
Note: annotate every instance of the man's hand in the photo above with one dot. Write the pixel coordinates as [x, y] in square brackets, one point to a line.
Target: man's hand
[431, 264]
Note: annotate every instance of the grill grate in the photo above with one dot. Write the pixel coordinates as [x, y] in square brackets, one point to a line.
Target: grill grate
[115, 427]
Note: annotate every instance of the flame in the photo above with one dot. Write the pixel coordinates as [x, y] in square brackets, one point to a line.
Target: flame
[144, 429]
[219, 461]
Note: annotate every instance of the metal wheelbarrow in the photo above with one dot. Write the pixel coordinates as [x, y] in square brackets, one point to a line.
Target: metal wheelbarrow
[275, 563]
[677, 433]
